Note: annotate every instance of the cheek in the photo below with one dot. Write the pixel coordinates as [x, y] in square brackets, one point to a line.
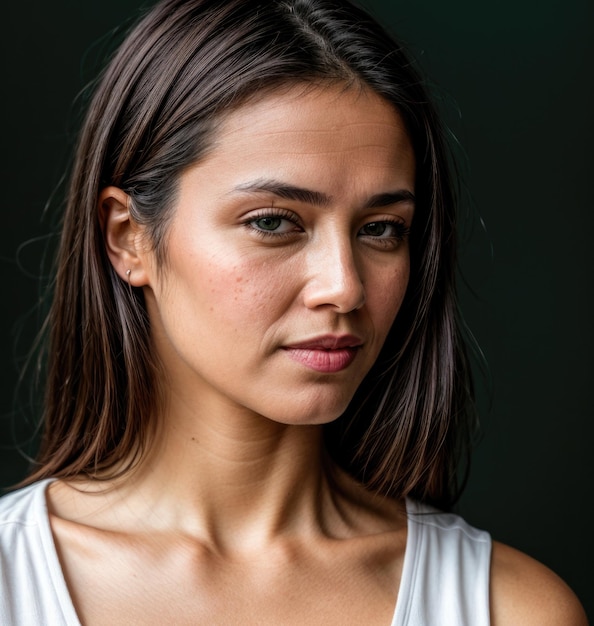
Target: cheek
[385, 296]
[244, 293]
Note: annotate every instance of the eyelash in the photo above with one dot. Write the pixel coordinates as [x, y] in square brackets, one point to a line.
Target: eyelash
[402, 231]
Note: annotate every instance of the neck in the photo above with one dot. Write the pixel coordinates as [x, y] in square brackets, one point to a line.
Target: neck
[236, 485]
[233, 479]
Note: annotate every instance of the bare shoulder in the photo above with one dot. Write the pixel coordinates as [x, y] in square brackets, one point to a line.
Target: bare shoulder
[523, 591]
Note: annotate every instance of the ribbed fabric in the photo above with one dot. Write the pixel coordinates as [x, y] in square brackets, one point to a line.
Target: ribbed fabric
[445, 577]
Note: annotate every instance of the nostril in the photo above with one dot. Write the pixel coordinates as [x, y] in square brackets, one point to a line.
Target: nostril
[361, 302]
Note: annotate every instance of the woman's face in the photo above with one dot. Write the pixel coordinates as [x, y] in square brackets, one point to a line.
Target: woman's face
[287, 257]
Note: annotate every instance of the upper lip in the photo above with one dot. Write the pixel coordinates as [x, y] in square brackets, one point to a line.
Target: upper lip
[328, 342]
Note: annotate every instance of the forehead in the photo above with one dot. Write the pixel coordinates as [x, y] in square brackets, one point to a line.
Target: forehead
[311, 111]
[335, 134]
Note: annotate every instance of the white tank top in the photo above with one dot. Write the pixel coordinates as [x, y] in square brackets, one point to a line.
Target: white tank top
[445, 576]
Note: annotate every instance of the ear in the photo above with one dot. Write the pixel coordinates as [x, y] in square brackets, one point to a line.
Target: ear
[125, 240]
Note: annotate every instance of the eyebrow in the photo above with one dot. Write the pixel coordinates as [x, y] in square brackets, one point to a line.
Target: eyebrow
[318, 198]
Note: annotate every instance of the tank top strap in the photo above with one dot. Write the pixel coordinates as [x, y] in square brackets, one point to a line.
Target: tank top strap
[445, 576]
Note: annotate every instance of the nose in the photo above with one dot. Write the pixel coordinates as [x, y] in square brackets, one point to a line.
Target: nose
[334, 279]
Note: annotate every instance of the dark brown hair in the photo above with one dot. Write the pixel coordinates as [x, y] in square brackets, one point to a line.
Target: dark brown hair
[154, 113]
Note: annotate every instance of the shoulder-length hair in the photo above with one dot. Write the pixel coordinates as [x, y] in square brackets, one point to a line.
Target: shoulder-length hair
[153, 114]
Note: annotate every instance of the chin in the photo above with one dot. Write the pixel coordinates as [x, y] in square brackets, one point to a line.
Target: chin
[316, 414]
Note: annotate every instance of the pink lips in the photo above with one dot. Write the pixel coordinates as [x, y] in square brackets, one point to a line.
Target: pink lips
[327, 354]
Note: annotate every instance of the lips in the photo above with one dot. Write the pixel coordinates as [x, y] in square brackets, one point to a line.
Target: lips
[327, 353]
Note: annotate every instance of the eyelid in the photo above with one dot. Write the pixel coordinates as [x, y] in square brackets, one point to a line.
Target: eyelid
[400, 226]
[395, 220]
[271, 211]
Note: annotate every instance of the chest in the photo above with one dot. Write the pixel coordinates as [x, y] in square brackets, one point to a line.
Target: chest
[321, 584]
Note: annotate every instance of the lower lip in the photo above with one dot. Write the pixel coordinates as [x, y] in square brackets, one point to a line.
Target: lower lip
[326, 361]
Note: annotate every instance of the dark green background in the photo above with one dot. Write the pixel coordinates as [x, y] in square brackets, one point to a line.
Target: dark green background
[515, 83]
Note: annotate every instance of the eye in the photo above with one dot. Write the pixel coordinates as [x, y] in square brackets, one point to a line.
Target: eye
[272, 223]
[384, 233]
[375, 229]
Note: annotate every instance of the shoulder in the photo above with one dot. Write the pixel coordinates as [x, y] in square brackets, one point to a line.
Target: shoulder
[523, 591]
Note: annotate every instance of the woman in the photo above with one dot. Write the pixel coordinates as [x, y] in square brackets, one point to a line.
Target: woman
[256, 383]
